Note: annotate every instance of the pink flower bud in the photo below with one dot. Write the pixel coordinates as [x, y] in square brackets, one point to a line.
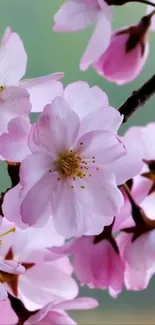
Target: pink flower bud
[127, 53]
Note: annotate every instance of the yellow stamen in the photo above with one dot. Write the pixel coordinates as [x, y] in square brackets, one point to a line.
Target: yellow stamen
[8, 232]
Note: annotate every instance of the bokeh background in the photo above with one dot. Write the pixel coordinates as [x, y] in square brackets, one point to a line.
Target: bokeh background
[52, 52]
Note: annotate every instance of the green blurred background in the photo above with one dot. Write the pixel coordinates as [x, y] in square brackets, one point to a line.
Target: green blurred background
[52, 52]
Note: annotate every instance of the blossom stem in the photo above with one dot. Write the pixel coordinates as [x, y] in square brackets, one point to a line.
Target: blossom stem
[137, 99]
[22, 313]
[144, 2]
[123, 2]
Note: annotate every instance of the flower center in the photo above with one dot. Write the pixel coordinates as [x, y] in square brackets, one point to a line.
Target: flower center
[68, 164]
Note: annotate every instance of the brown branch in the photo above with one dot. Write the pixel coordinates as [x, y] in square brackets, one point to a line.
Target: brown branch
[123, 2]
[138, 99]
[22, 313]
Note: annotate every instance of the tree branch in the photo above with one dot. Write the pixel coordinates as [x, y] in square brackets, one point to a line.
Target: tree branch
[22, 313]
[138, 99]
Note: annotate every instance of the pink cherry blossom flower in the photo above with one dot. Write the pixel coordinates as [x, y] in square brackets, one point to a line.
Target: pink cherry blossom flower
[42, 281]
[13, 61]
[54, 313]
[132, 47]
[97, 264]
[75, 15]
[70, 173]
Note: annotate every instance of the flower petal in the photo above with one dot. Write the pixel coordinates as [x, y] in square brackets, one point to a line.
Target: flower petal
[14, 103]
[3, 293]
[43, 90]
[75, 15]
[78, 303]
[36, 202]
[98, 43]
[104, 146]
[140, 254]
[13, 59]
[14, 144]
[58, 127]
[55, 283]
[103, 118]
[129, 165]
[84, 99]
[100, 195]
[68, 213]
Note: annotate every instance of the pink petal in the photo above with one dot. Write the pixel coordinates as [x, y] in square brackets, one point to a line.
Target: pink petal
[144, 136]
[11, 206]
[6, 35]
[78, 303]
[100, 195]
[3, 293]
[124, 67]
[140, 254]
[75, 15]
[36, 202]
[103, 118]
[68, 213]
[8, 316]
[84, 99]
[43, 90]
[75, 210]
[13, 59]
[54, 134]
[128, 165]
[14, 144]
[45, 236]
[34, 167]
[50, 317]
[55, 284]
[11, 267]
[103, 145]
[98, 43]
[14, 103]
[136, 280]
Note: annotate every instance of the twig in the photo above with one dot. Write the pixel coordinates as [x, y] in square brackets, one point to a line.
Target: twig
[138, 99]
[123, 2]
[22, 313]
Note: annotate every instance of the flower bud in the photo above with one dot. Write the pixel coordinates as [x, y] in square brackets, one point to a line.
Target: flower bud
[126, 54]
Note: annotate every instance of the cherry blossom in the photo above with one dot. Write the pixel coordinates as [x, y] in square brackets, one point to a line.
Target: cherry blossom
[131, 44]
[76, 15]
[66, 170]
[13, 61]
[96, 262]
[42, 281]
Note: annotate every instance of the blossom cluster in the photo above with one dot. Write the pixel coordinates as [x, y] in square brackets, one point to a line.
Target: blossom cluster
[131, 42]
[77, 188]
